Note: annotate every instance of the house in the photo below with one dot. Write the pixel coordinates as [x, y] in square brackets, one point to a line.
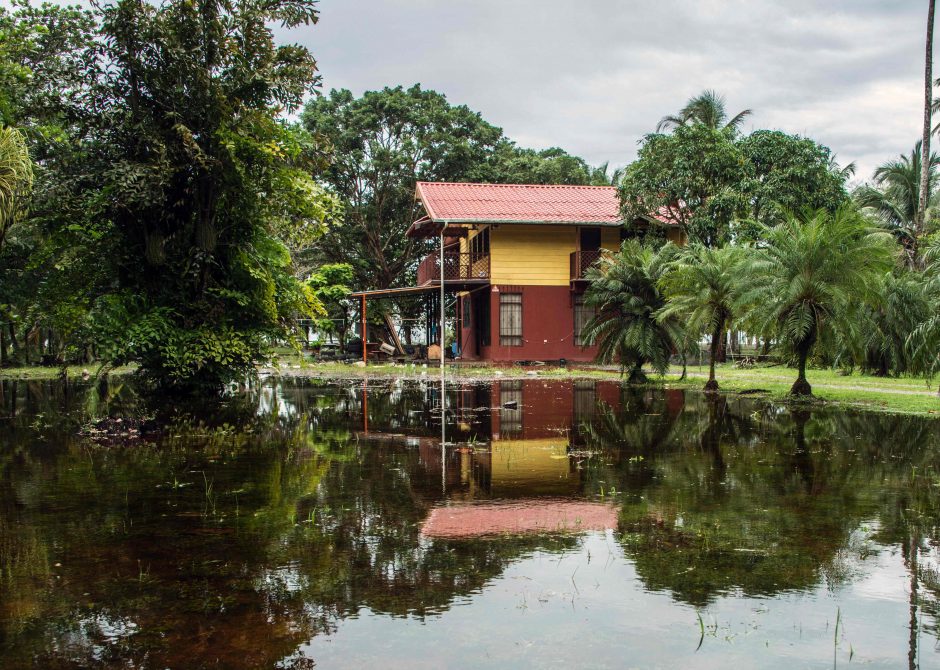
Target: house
[517, 257]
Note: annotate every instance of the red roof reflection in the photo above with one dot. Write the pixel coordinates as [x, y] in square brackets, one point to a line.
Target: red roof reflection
[518, 517]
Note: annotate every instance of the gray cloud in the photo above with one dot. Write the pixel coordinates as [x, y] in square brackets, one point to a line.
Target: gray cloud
[593, 76]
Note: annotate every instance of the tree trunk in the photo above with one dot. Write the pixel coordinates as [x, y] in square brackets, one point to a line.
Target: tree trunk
[925, 142]
[711, 386]
[801, 387]
[636, 374]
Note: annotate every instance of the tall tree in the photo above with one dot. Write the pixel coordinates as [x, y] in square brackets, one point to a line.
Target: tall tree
[170, 184]
[789, 173]
[201, 171]
[707, 108]
[384, 142]
[694, 177]
[810, 276]
[925, 140]
[701, 288]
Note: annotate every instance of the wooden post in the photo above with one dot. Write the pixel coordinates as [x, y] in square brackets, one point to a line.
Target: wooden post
[365, 330]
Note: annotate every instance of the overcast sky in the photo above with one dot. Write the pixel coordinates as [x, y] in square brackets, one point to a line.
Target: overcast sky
[592, 76]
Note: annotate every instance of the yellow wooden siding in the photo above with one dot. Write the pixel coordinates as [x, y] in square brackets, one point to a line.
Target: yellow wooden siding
[676, 236]
[610, 239]
[532, 255]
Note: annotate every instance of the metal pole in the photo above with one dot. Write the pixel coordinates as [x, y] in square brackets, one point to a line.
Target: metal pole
[365, 330]
[443, 401]
[441, 334]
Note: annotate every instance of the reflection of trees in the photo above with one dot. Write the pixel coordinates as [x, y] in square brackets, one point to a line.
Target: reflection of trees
[735, 495]
[227, 540]
[236, 535]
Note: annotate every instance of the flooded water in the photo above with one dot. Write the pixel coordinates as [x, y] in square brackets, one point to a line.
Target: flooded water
[559, 524]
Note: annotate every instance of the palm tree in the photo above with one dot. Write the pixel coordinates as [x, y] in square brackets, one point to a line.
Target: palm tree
[924, 341]
[625, 293]
[701, 288]
[16, 178]
[885, 327]
[707, 108]
[810, 276]
[921, 217]
[896, 198]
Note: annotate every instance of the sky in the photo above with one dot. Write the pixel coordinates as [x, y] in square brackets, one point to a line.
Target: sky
[594, 76]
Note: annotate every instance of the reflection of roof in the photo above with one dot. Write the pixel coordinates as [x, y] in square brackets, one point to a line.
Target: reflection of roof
[520, 203]
[534, 515]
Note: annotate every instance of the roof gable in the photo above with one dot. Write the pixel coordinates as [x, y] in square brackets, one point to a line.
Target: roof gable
[447, 202]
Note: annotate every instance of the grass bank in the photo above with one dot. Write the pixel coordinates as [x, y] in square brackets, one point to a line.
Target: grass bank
[51, 372]
[904, 395]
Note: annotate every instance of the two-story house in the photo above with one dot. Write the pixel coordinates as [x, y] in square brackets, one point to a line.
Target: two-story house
[517, 257]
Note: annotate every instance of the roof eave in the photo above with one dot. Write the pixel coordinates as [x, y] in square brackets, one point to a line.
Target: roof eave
[542, 222]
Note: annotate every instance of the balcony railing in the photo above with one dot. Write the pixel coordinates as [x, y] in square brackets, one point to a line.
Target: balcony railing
[457, 267]
[581, 261]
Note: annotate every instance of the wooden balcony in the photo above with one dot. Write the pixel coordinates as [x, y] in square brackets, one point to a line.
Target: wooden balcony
[459, 268]
[581, 261]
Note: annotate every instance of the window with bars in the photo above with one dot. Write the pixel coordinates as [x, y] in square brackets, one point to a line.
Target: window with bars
[582, 314]
[510, 319]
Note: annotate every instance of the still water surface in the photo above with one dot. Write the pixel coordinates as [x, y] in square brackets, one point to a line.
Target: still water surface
[563, 524]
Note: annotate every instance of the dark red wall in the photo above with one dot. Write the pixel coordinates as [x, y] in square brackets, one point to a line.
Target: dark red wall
[547, 327]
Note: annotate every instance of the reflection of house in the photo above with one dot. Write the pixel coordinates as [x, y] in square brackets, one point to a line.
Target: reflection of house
[511, 438]
[517, 257]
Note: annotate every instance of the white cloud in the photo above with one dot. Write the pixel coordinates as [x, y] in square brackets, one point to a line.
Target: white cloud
[593, 76]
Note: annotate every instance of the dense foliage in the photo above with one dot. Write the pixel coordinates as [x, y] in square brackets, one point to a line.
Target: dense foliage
[809, 279]
[626, 295]
[168, 188]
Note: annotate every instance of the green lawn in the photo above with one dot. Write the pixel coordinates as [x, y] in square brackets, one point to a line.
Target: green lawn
[49, 372]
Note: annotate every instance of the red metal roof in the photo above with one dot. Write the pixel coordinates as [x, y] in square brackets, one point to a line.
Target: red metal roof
[447, 202]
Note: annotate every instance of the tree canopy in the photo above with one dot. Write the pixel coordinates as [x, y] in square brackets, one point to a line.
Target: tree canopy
[383, 142]
[170, 186]
[716, 184]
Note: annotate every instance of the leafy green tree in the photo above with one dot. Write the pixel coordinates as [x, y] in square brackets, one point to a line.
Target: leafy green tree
[886, 326]
[693, 177]
[206, 280]
[789, 173]
[625, 293]
[707, 109]
[330, 285]
[701, 288]
[515, 165]
[384, 142]
[16, 178]
[809, 276]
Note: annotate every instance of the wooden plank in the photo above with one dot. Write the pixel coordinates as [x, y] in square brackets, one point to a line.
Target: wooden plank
[394, 333]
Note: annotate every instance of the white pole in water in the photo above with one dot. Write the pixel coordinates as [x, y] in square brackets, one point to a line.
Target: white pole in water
[443, 412]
